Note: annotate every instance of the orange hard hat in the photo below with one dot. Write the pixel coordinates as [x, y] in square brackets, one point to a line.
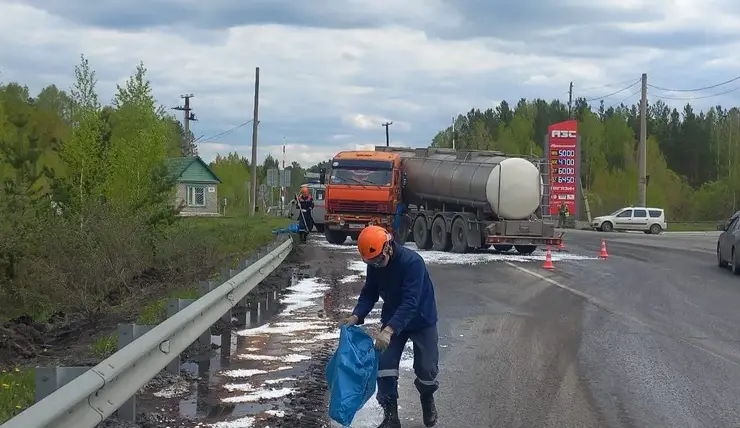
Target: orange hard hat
[304, 190]
[371, 241]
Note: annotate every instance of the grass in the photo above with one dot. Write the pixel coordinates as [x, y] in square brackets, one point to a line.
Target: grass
[16, 391]
[231, 237]
[235, 237]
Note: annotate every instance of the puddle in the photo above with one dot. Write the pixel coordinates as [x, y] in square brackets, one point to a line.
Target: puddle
[247, 379]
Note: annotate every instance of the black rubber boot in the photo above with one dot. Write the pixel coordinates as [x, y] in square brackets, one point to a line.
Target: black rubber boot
[429, 410]
[390, 417]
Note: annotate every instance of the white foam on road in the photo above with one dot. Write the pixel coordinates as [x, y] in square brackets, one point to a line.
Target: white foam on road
[284, 328]
[445, 258]
[246, 422]
[292, 358]
[298, 324]
[350, 278]
[259, 395]
[303, 295]
[347, 247]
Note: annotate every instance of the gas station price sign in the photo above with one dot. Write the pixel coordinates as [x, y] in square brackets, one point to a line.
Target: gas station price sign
[563, 146]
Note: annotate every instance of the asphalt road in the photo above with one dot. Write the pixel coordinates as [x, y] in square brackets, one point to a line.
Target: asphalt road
[647, 338]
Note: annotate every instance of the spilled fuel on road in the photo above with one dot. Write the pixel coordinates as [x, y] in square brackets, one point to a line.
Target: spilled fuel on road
[271, 371]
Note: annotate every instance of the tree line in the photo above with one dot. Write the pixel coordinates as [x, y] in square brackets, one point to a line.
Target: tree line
[691, 160]
[87, 213]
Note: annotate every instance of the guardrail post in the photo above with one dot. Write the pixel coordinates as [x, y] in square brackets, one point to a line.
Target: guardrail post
[241, 314]
[174, 306]
[49, 379]
[264, 314]
[271, 302]
[254, 312]
[205, 287]
[127, 333]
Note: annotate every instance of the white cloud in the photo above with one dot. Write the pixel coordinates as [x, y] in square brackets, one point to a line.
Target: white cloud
[326, 88]
[365, 121]
[305, 154]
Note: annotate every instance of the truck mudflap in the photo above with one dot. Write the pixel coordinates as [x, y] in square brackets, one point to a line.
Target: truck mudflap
[524, 240]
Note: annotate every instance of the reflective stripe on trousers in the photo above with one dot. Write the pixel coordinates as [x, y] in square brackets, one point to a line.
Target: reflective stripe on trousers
[426, 363]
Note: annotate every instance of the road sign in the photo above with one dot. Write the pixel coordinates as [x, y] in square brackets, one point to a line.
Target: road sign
[285, 178]
[273, 177]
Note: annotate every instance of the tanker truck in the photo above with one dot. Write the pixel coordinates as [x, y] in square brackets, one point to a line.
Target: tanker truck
[442, 199]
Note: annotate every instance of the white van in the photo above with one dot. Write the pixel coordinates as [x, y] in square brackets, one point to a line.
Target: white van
[648, 220]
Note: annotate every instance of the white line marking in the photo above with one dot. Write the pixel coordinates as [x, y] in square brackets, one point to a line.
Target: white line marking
[603, 306]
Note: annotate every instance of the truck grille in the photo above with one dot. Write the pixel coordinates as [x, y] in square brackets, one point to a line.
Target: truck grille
[358, 206]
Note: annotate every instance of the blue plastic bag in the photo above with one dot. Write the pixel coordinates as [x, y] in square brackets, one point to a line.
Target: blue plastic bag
[351, 374]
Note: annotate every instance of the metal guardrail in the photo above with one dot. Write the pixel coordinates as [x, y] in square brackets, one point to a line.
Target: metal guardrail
[96, 394]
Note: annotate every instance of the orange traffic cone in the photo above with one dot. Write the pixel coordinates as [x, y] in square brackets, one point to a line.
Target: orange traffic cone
[603, 254]
[548, 260]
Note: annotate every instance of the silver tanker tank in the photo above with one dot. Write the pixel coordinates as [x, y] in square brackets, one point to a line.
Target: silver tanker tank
[509, 186]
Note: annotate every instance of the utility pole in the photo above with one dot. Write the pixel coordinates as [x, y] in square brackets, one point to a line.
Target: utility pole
[570, 101]
[387, 138]
[255, 124]
[188, 146]
[453, 133]
[642, 148]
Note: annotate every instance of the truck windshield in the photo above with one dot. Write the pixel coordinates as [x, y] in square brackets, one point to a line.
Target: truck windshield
[369, 177]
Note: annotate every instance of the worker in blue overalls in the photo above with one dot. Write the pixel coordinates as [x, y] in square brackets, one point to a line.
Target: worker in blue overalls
[305, 214]
[400, 277]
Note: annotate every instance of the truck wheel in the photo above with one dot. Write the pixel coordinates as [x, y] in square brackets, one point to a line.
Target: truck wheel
[503, 248]
[525, 249]
[354, 237]
[459, 237]
[402, 233]
[422, 237]
[440, 237]
[335, 237]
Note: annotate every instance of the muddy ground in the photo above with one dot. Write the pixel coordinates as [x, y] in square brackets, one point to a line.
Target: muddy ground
[67, 338]
[306, 408]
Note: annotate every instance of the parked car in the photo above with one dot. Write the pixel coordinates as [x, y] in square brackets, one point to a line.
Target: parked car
[648, 220]
[728, 242]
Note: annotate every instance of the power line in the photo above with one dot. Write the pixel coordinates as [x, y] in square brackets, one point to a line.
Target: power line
[625, 99]
[228, 131]
[700, 97]
[696, 89]
[614, 93]
[605, 86]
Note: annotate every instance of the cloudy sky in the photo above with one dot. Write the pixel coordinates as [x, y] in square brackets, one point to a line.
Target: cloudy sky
[333, 70]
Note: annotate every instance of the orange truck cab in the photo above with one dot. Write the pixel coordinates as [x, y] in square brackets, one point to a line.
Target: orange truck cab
[364, 188]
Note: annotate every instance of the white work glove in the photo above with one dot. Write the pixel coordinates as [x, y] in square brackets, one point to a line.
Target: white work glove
[383, 339]
[350, 320]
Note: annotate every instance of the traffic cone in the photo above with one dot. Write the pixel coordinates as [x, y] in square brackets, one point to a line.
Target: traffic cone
[548, 260]
[603, 254]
